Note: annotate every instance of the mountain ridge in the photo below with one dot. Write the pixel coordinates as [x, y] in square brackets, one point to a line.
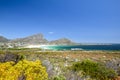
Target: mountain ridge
[32, 39]
[3, 39]
[35, 39]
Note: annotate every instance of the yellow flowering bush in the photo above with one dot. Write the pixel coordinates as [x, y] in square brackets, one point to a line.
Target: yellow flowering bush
[30, 70]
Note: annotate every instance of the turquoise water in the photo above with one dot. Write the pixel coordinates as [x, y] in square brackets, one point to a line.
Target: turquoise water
[83, 47]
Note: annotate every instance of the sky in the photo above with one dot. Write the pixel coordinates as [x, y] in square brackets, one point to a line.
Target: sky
[84, 21]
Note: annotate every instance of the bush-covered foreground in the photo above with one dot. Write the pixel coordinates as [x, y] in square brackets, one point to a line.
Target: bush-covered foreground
[23, 70]
[94, 70]
[59, 65]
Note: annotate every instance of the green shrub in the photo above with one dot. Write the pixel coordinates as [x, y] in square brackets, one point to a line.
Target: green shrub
[60, 77]
[94, 70]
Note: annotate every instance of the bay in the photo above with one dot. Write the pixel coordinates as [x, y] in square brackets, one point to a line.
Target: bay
[82, 47]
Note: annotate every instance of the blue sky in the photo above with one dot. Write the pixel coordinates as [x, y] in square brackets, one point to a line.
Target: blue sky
[80, 20]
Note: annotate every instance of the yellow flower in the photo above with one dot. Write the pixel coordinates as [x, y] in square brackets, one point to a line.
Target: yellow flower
[33, 70]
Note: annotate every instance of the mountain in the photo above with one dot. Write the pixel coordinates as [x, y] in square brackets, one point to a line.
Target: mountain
[3, 39]
[34, 39]
[64, 41]
[37, 39]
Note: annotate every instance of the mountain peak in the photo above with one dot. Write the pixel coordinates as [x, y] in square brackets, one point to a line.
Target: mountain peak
[33, 39]
[37, 35]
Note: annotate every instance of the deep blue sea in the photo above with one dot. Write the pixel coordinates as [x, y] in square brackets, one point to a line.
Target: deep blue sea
[83, 47]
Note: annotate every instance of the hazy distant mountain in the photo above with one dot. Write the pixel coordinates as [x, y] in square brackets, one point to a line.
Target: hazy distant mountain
[3, 39]
[34, 39]
[61, 41]
[39, 39]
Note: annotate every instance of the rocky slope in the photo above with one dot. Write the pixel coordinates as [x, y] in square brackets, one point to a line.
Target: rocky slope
[36, 39]
[3, 39]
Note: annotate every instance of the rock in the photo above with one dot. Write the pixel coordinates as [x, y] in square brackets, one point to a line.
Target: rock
[114, 64]
[10, 57]
[49, 67]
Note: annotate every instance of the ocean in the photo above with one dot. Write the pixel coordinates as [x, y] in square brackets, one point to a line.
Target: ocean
[82, 47]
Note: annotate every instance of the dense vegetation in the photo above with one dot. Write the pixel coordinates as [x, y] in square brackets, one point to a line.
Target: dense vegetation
[94, 70]
[35, 64]
[23, 70]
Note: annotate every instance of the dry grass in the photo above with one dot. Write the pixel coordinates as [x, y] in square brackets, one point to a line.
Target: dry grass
[95, 55]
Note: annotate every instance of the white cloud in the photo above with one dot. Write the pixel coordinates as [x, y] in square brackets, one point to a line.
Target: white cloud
[51, 32]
